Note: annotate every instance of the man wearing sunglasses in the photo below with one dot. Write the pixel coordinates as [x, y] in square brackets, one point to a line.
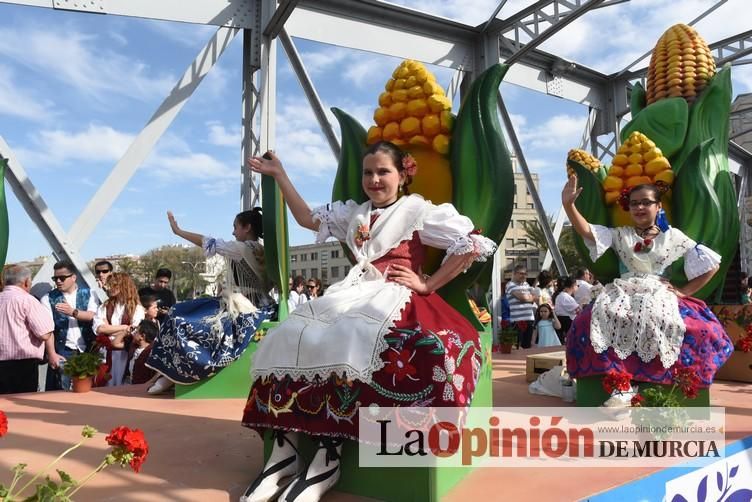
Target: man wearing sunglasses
[102, 270]
[73, 310]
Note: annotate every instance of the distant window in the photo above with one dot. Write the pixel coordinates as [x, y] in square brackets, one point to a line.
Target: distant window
[304, 257]
[345, 270]
[293, 258]
[522, 242]
[335, 272]
[335, 254]
[314, 256]
[515, 205]
[315, 272]
[530, 205]
[534, 264]
[510, 243]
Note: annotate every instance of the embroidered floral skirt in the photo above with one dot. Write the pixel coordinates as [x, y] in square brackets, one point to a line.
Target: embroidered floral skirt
[706, 347]
[433, 359]
[188, 351]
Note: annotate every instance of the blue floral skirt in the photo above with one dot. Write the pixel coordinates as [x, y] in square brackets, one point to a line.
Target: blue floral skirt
[186, 351]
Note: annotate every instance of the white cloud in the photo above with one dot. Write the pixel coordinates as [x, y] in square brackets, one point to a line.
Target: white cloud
[557, 134]
[97, 143]
[16, 101]
[79, 60]
[221, 136]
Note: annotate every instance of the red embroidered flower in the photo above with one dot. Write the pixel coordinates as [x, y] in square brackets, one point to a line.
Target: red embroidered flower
[637, 400]
[130, 446]
[362, 234]
[687, 380]
[644, 246]
[399, 364]
[617, 381]
[3, 424]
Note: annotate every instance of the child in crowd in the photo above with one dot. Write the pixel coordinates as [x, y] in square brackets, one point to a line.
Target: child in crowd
[546, 324]
[150, 303]
[142, 339]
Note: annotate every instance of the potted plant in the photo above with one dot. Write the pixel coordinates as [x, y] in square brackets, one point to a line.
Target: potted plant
[82, 368]
[508, 337]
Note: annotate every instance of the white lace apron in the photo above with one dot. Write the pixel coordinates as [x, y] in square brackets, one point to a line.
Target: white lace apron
[343, 331]
[638, 313]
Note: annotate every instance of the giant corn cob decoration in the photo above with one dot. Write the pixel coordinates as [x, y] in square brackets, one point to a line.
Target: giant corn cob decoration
[678, 136]
[681, 65]
[462, 160]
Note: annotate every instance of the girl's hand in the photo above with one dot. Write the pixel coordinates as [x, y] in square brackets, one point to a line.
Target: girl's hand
[570, 192]
[173, 224]
[408, 278]
[268, 164]
[677, 291]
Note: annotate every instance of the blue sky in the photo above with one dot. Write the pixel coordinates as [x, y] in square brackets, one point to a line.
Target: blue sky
[76, 89]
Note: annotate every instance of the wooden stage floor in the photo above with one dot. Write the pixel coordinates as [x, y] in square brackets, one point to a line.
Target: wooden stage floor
[199, 452]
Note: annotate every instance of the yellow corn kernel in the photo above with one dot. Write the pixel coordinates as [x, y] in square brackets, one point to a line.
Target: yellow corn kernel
[397, 111]
[441, 144]
[381, 116]
[374, 135]
[417, 107]
[410, 126]
[391, 131]
[431, 125]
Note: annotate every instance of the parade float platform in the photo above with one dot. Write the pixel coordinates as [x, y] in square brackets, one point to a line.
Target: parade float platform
[199, 452]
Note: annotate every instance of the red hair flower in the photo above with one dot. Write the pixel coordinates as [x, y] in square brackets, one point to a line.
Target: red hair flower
[409, 165]
[130, 446]
[3, 424]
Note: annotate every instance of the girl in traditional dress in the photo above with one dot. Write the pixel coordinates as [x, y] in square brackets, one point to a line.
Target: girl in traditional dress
[381, 337]
[116, 316]
[641, 323]
[202, 336]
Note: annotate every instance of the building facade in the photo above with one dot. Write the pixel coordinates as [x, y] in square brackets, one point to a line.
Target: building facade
[516, 246]
[326, 261]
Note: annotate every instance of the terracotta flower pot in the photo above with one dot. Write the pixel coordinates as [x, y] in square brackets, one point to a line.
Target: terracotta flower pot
[82, 384]
[505, 348]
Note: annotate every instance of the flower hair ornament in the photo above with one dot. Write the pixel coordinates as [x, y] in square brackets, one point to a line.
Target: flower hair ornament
[623, 200]
[409, 165]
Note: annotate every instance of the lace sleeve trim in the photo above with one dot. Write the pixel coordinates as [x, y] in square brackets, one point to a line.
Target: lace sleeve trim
[477, 245]
[603, 240]
[700, 259]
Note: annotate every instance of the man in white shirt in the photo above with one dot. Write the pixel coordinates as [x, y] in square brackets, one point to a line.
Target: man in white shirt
[73, 310]
[585, 284]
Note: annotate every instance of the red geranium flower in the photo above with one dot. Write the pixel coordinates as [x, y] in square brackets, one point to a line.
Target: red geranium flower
[637, 400]
[745, 344]
[102, 376]
[617, 381]
[3, 424]
[687, 380]
[103, 341]
[130, 446]
[399, 364]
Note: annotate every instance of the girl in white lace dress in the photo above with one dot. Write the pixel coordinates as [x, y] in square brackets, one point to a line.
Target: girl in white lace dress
[641, 323]
[381, 337]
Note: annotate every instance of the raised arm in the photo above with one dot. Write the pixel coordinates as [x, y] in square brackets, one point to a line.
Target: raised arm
[270, 165]
[191, 237]
[568, 195]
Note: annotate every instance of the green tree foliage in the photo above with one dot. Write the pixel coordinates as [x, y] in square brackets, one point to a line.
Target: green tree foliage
[536, 237]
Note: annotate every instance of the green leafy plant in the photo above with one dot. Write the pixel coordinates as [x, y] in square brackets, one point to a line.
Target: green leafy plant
[82, 365]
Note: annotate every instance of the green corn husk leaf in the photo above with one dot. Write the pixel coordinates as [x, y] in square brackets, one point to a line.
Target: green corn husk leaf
[697, 211]
[347, 182]
[485, 194]
[709, 118]
[276, 245]
[591, 205]
[637, 99]
[665, 122]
